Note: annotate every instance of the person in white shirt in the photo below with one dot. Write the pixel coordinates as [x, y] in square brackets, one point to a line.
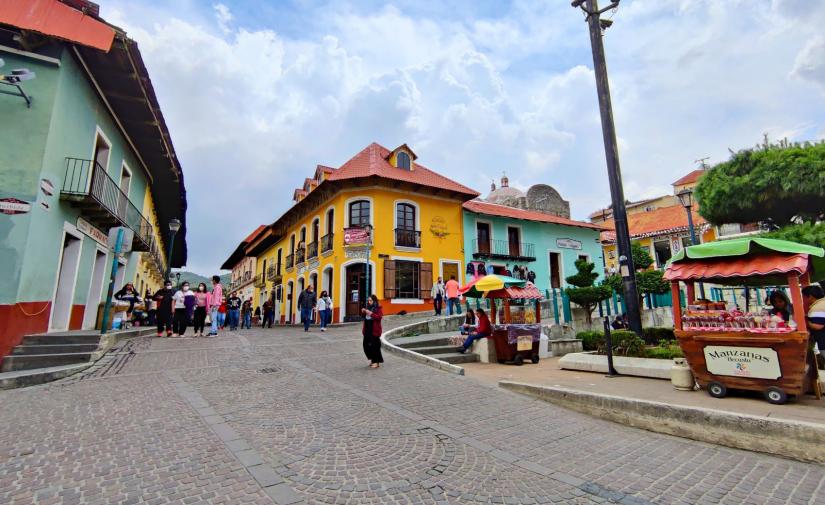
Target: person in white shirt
[438, 292]
[184, 303]
[324, 307]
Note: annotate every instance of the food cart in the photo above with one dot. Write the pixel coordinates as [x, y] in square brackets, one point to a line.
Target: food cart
[729, 349]
[516, 333]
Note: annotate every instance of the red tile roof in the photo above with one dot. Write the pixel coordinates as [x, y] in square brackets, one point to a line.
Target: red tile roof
[372, 161]
[656, 222]
[57, 19]
[252, 236]
[492, 209]
[690, 178]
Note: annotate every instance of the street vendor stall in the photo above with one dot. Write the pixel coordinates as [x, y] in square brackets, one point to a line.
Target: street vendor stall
[727, 348]
[516, 328]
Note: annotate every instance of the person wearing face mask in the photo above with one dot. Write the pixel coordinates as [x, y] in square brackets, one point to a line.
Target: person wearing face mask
[163, 313]
[372, 331]
[185, 302]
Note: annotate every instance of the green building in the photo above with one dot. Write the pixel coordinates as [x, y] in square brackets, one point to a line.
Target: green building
[83, 148]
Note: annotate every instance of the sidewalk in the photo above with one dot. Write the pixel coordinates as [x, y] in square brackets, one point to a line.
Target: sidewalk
[547, 373]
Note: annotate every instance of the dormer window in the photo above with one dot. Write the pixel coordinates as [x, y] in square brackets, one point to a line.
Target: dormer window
[403, 160]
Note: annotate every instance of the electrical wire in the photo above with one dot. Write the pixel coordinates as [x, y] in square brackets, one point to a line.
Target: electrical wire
[46, 306]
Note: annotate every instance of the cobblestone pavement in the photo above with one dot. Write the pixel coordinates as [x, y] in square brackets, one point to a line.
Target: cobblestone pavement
[282, 416]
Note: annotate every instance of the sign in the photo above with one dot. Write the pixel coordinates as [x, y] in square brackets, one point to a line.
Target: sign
[438, 227]
[356, 236]
[90, 230]
[525, 343]
[47, 187]
[569, 243]
[12, 206]
[750, 362]
[126, 242]
[360, 253]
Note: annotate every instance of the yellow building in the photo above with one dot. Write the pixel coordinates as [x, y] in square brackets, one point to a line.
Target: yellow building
[152, 263]
[379, 208]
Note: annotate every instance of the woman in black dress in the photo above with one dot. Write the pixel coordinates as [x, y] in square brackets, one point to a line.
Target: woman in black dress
[372, 331]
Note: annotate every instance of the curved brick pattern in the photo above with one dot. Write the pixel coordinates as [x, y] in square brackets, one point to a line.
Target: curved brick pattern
[280, 416]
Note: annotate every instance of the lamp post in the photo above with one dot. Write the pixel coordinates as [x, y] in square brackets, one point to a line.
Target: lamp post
[174, 226]
[686, 199]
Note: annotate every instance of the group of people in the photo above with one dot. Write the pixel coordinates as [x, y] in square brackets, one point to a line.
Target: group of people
[174, 310]
[448, 293]
[476, 326]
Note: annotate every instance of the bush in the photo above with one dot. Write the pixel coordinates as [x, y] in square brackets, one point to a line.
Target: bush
[591, 340]
[667, 349]
[625, 343]
[654, 335]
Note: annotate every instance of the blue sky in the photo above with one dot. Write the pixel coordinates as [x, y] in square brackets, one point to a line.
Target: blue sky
[257, 93]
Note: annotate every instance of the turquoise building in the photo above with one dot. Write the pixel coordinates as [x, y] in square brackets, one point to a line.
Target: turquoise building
[83, 148]
[504, 237]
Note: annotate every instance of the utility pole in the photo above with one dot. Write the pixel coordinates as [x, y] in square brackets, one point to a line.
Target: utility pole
[626, 267]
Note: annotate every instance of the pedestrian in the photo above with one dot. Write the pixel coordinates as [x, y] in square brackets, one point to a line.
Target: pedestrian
[203, 300]
[306, 302]
[438, 292]
[469, 323]
[813, 299]
[246, 314]
[372, 331]
[222, 314]
[165, 306]
[185, 302]
[453, 300]
[531, 276]
[269, 314]
[324, 310]
[483, 330]
[151, 308]
[233, 307]
[128, 294]
[214, 309]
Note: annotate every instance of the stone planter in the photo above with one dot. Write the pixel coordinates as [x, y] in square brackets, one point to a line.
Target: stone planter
[639, 367]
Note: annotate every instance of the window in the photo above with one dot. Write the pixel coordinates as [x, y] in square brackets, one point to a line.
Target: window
[278, 264]
[292, 244]
[316, 225]
[303, 239]
[406, 279]
[584, 257]
[402, 160]
[405, 216]
[662, 250]
[330, 220]
[514, 240]
[359, 214]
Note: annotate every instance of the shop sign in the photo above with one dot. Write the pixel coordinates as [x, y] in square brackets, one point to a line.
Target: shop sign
[361, 253]
[750, 362]
[438, 227]
[356, 236]
[568, 243]
[86, 227]
[12, 206]
[47, 187]
[524, 343]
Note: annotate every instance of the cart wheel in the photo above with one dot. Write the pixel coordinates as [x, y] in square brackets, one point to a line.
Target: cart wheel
[518, 360]
[534, 359]
[717, 389]
[501, 361]
[775, 395]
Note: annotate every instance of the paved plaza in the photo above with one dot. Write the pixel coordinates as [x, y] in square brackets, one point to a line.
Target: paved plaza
[282, 416]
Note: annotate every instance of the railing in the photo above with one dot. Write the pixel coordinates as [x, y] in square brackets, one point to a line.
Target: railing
[273, 271]
[407, 238]
[312, 250]
[260, 281]
[290, 261]
[247, 276]
[327, 242]
[504, 249]
[300, 256]
[87, 179]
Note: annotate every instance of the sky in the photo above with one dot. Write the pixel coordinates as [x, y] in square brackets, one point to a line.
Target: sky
[257, 93]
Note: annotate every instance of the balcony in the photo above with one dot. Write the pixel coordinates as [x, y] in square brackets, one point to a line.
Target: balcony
[407, 238]
[290, 262]
[273, 273]
[260, 281]
[88, 186]
[327, 242]
[300, 256]
[503, 250]
[312, 250]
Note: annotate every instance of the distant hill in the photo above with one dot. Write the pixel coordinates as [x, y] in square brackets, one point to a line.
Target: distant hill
[195, 279]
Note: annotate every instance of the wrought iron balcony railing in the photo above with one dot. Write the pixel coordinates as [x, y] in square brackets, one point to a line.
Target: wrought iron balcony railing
[407, 238]
[290, 261]
[87, 185]
[312, 250]
[504, 249]
[327, 242]
[260, 281]
[300, 256]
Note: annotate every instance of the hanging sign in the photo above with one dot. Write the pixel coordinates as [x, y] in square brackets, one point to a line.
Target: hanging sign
[752, 362]
[569, 243]
[125, 242]
[87, 228]
[356, 236]
[47, 187]
[12, 206]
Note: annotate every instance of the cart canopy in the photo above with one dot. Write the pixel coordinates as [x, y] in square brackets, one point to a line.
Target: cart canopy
[747, 261]
[528, 292]
[481, 286]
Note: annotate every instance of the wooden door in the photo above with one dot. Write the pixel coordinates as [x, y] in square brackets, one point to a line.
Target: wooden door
[451, 270]
[483, 237]
[355, 290]
[555, 270]
[514, 241]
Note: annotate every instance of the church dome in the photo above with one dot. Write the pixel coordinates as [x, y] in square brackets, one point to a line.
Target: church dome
[505, 194]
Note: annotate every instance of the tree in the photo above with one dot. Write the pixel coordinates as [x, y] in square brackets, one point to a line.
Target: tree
[647, 281]
[778, 184]
[641, 256]
[585, 294]
[804, 233]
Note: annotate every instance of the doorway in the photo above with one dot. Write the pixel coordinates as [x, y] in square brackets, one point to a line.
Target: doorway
[483, 236]
[123, 198]
[514, 241]
[555, 270]
[64, 294]
[450, 270]
[95, 290]
[277, 295]
[356, 290]
[290, 291]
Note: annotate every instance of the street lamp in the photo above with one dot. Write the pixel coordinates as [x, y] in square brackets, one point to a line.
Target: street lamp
[686, 199]
[174, 226]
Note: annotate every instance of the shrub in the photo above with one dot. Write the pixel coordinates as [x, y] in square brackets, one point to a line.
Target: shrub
[653, 335]
[591, 340]
[664, 352]
[625, 343]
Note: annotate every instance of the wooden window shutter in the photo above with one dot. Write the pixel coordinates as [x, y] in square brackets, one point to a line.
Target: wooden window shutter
[389, 279]
[425, 281]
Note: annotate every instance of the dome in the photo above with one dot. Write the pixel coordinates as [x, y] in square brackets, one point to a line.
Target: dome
[505, 194]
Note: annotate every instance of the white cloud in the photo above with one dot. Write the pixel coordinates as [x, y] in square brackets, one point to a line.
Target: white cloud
[224, 17]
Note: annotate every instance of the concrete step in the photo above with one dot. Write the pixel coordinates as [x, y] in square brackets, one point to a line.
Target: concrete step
[435, 349]
[423, 340]
[16, 362]
[20, 378]
[61, 338]
[54, 348]
[456, 357]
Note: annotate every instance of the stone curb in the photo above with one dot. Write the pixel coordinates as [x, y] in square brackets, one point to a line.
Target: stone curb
[793, 439]
[422, 327]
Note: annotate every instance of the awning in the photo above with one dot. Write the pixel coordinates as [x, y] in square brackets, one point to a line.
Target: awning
[528, 292]
[57, 19]
[765, 268]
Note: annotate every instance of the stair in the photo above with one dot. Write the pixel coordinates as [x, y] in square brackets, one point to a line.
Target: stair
[436, 346]
[456, 357]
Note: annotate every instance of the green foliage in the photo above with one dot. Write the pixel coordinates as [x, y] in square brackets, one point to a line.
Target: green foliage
[651, 281]
[641, 256]
[664, 352]
[626, 343]
[804, 233]
[591, 340]
[614, 282]
[585, 276]
[655, 335]
[774, 183]
[585, 294]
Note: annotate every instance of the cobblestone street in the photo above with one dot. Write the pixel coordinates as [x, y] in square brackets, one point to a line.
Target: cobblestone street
[281, 416]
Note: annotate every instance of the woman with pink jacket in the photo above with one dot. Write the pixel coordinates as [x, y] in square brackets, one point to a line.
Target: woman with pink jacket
[203, 302]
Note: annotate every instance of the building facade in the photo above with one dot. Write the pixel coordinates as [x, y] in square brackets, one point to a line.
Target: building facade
[89, 152]
[243, 278]
[381, 223]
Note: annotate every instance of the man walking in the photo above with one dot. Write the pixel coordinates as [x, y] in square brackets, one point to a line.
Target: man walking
[306, 302]
[217, 299]
[453, 302]
[269, 314]
[233, 305]
[246, 314]
[438, 294]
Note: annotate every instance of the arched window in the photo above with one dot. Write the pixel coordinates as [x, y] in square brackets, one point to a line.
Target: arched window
[402, 160]
[330, 220]
[292, 244]
[316, 229]
[359, 213]
[405, 216]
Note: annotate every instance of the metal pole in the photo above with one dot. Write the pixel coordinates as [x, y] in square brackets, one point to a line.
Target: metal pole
[626, 267]
[693, 241]
[104, 325]
[169, 256]
[611, 372]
